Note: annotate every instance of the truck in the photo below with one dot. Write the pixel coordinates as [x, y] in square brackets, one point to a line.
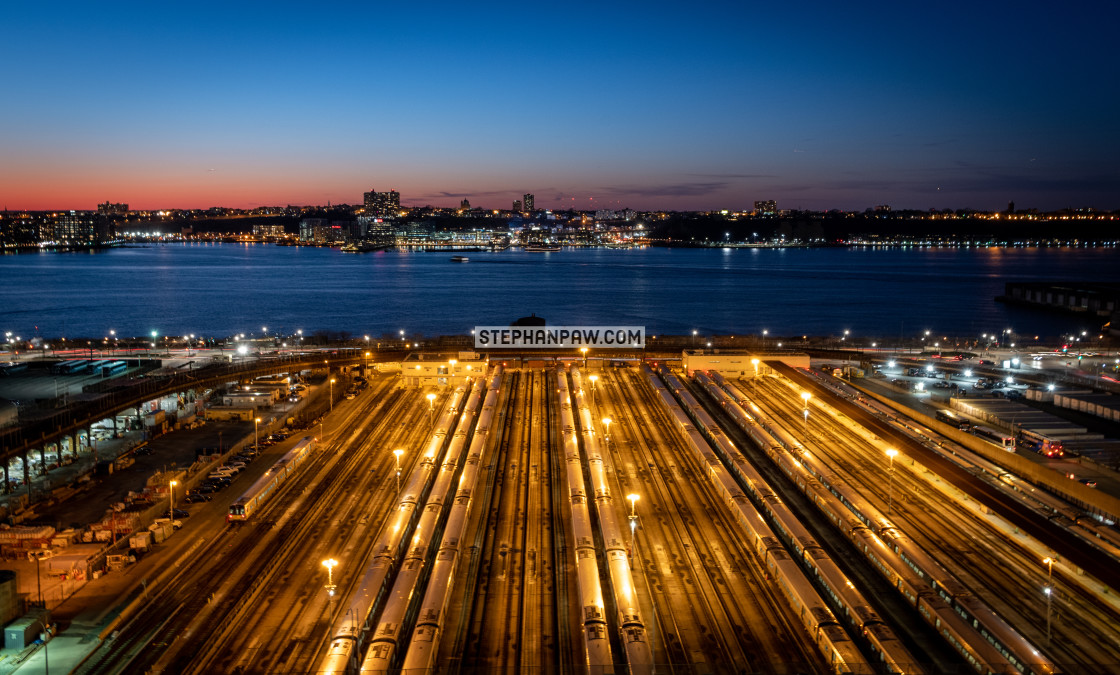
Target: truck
[140, 542]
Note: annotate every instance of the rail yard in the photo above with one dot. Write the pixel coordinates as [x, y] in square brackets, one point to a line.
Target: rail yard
[630, 519]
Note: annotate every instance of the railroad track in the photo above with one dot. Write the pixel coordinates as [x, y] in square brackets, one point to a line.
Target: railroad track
[770, 638]
[733, 606]
[287, 629]
[491, 626]
[982, 557]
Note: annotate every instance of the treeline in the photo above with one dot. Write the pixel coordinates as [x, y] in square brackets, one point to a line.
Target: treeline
[704, 229]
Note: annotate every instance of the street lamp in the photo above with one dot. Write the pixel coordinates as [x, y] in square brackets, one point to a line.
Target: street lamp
[256, 435]
[332, 394]
[397, 454]
[805, 396]
[594, 379]
[451, 370]
[891, 453]
[607, 434]
[330, 564]
[171, 507]
[1049, 593]
[754, 362]
[431, 408]
[583, 350]
[633, 497]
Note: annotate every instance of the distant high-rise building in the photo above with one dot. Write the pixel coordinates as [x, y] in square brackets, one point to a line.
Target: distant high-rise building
[75, 228]
[314, 230]
[883, 208]
[529, 201]
[382, 204]
[517, 205]
[1011, 207]
[108, 209]
[766, 208]
[268, 230]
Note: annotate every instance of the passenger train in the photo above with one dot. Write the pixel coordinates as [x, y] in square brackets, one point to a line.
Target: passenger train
[423, 646]
[402, 602]
[593, 618]
[255, 497]
[349, 631]
[982, 637]
[818, 620]
[635, 641]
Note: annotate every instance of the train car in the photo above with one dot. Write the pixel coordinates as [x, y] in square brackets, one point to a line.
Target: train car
[852, 606]
[255, 497]
[639, 654]
[348, 633]
[422, 649]
[597, 649]
[922, 571]
[400, 607]
[818, 620]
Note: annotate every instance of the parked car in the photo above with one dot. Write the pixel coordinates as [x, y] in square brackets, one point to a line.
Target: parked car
[197, 497]
[180, 513]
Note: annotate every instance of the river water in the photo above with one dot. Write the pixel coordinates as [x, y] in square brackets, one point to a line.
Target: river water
[217, 290]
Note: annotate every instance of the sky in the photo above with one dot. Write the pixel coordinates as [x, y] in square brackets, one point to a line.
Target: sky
[650, 105]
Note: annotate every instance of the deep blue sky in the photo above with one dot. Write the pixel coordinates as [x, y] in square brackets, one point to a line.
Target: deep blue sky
[647, 105]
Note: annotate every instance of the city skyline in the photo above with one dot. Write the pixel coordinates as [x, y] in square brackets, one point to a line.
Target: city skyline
[586, 107]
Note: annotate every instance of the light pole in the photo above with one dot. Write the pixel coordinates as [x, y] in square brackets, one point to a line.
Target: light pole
[397, 454]
[891, 454]
[607, 434]
[754, 382]
[256, 435]
[171, 506]
[805, 396]
[451, 371]
[1049, 593]
[332, 394]
[633, 497]
[431, 409]
[330, 564]
[583, 350]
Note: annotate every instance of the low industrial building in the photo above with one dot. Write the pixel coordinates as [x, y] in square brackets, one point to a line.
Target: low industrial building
[738, 363]
[441, 370]
[251, 398]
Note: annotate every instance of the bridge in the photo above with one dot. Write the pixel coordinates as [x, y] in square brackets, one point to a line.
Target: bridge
[122, 393]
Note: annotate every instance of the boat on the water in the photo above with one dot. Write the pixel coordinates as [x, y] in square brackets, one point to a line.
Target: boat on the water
[363, 247]
[542, 248]
[459, 258]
